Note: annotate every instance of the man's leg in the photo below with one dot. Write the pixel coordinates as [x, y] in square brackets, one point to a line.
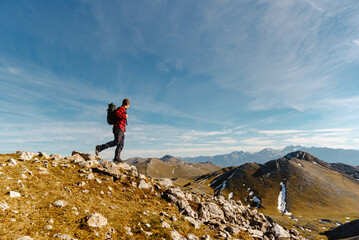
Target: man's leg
[121, 141]
[112, 143]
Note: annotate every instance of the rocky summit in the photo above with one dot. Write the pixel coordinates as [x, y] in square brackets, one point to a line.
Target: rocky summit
[84, 197]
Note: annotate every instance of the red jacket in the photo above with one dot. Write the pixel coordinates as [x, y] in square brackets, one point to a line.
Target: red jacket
[121, 119]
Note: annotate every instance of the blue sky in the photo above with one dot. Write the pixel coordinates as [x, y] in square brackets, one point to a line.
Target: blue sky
[203, 77]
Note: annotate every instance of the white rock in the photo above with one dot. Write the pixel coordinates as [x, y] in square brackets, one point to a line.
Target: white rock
[280, 232]
[48, 227]
[165, 182]
[90, 176]
[81, 184]
[25, 156]
[4, 206]
[63, 236]
[14, 194]
[97, 220]
[142, 177]
[165, 225]
[60, 203]
[25, 238]
[12, 162]
[128, 231]
[176, 236]
[147, 225]
[55, 157]
[192, 237]
[206, 237]
[98, 180]
[144, 185]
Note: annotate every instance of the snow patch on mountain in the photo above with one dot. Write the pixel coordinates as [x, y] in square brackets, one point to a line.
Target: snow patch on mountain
[281, 200]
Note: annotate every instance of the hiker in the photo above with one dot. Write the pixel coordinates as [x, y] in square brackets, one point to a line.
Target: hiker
[119, 129]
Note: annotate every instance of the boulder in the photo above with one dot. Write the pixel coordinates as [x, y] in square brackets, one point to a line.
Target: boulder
[44, 155]
[165, 182]
[76, 158]
[144, 185]
[55, 157]
[279, 232]
[25, 156]
[96, 220]
[86, 156]
[108, 168]
[210, 210]
[176, 196]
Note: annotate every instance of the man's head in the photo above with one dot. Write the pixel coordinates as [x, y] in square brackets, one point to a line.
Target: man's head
[125, 103]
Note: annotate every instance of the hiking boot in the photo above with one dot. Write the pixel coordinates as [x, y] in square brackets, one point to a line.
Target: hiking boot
[97, 150]
[118, 160]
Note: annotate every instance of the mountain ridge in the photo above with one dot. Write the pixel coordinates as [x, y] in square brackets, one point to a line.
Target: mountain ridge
[236, 158]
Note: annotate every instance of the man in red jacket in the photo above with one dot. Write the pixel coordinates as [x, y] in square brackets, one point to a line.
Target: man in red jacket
[119, 129]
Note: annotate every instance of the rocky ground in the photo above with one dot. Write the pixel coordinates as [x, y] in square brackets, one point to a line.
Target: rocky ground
[83, 197]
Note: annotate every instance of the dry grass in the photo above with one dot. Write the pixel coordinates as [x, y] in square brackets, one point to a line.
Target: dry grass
[122, 205]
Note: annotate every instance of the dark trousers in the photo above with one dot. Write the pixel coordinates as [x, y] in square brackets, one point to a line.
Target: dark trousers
[118, 141]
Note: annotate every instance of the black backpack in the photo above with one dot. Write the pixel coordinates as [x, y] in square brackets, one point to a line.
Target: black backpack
[111, 114]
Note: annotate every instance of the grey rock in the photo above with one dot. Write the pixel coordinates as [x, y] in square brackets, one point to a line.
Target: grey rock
[279, 232]
[210, 210]
[108, 168]
[25, 156]
[176, 196]
[255, 233]
[86, 156]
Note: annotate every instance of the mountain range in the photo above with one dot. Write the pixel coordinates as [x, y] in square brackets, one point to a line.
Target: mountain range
[236, 158]
[297, 189]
